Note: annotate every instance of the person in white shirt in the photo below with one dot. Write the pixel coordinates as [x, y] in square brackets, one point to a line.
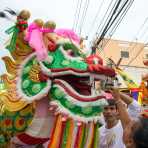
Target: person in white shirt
[135, 132]
[111, 133]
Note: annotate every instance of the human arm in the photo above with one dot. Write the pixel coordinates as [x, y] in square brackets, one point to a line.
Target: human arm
[123, 114]
[125, 98]
[134, 108]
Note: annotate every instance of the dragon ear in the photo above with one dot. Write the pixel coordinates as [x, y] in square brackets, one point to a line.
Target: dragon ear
[10, 11]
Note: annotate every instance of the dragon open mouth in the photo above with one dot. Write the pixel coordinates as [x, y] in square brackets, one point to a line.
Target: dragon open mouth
[80, 84]
[77, 87]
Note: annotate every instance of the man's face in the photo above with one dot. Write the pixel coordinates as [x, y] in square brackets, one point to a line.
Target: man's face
[110, 113]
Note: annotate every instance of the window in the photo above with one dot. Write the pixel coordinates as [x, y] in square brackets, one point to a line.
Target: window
[124, 54]
[146, 56]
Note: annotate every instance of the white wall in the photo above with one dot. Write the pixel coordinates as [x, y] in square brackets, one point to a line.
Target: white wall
[135, 73]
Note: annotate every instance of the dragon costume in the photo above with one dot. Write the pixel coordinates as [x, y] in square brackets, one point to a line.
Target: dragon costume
[51, 98]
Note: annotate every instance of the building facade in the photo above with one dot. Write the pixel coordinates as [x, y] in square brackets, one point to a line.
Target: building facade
[132, 54]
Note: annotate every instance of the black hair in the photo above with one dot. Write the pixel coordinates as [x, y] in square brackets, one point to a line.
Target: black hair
[111, 102]
[140, 135]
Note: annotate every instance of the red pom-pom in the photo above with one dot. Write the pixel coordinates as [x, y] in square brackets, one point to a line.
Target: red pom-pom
[52, 47]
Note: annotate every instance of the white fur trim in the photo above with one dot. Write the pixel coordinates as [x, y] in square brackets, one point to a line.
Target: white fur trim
[45, 70]
[63, 110]
[48, 72]
[20, 93]
[71, 89]
[100, 102]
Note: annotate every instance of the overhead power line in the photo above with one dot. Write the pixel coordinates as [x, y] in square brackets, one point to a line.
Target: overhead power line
[77, 14]
[121, 13]
[95, 18]
[141, 28]
[105, 18]
[111, 20]
[83, 17]
[118, 22]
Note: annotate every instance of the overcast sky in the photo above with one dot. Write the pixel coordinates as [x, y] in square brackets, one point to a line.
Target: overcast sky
[63, 13]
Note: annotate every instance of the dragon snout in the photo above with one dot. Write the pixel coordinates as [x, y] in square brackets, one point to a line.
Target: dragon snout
[94, 59]
[95, 65]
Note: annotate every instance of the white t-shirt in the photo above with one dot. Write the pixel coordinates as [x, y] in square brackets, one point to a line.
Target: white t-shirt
[111, 138]
[134, 109]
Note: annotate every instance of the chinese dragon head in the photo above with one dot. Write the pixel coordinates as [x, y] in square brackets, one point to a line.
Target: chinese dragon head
[49, 91]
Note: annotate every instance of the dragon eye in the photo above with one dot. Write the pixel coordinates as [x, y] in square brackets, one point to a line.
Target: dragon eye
[70, 52]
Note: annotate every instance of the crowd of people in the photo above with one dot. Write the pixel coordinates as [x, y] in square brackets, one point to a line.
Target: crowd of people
[124, 126]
